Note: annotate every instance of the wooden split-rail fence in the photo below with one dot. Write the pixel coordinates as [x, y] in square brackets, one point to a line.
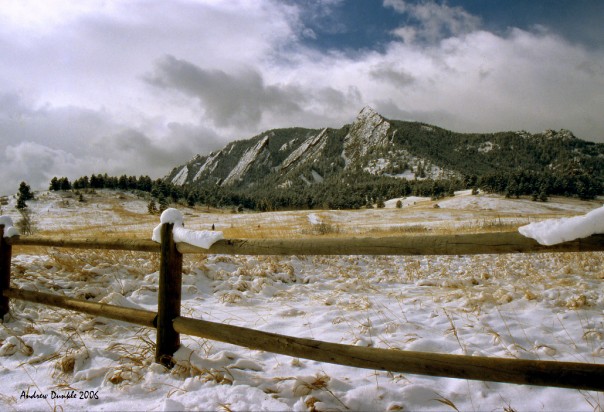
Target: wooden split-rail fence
[170, 324]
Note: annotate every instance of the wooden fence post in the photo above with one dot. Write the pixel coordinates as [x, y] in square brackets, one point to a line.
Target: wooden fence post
[168, 300]
[5, 258]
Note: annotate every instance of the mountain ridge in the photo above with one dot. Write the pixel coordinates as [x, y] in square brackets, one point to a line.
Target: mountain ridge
[379, 146]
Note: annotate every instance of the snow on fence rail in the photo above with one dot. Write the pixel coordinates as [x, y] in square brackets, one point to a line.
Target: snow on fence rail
[170, 324]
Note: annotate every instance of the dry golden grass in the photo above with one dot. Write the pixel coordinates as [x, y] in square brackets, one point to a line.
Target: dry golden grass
[259, 231]
[128, 221]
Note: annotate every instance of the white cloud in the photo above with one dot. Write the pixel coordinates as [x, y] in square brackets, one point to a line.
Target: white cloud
[486, 82]
[433, 21]
[33, 162]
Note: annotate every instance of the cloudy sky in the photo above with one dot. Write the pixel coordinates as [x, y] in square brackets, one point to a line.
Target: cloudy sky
[140, 86]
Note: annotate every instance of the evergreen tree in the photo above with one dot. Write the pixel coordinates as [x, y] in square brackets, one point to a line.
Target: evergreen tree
[25, 192]
[64, 183]
[163, 202]
[451, 190]
[122, 182]
[54, 184]
[96, 182]
[191, 199]
[21, 203]
[151, 207]
[81, 183]
[144, 183]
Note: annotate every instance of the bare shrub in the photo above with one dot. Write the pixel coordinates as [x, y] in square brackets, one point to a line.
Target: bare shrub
[26, 224]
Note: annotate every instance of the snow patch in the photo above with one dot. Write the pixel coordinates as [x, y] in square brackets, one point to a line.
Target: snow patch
[200, 238]
[181, 177]
[407, 174]
[314, 219]
[486, 147]
[553, 231]
[207, 163]
[312, 145]
[305, 180]
[246, 160]
[315, 175]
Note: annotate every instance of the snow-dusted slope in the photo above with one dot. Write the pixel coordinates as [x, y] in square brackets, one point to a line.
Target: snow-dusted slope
[181, 176]
[310, 148]
[284, 157]
[209, 164]
[250, 156]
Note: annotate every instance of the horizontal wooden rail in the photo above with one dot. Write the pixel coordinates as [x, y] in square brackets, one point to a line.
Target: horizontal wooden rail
[462, 244]
[136, 245]
[585, 376]
[136, 316]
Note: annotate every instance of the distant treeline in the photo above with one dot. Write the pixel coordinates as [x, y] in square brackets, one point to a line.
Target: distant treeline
[144, 183]
[348, 191]
[580, 184]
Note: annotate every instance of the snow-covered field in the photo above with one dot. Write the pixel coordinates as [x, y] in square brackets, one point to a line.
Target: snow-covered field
[545, 306]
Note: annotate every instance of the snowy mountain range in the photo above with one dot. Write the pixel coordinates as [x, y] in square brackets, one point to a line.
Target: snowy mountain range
[382, 147]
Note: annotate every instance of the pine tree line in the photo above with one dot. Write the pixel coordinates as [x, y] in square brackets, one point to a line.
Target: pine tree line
[350, 190]
[540, 185]
[143, 183]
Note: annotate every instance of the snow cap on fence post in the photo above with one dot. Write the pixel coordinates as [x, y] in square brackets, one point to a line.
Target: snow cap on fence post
[553, 231]
[200, 238]
[9, 229]
[170, 215]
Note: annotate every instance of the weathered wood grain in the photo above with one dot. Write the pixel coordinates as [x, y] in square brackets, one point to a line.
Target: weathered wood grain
[541, 373]
[169, 296]
[137, 245]
[130, 315]
[462, 244]
[5, 260]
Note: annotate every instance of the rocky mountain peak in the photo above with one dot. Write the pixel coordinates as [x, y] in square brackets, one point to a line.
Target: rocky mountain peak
[366, 114]
[373, 147]
[368, 130]
[563, 134]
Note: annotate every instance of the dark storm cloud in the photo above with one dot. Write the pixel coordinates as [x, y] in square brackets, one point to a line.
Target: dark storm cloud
[41, 142]
[228, 99]
[387, 73]
[136, 151]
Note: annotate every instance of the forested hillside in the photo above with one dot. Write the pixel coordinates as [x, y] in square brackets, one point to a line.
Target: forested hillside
[372, 159]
